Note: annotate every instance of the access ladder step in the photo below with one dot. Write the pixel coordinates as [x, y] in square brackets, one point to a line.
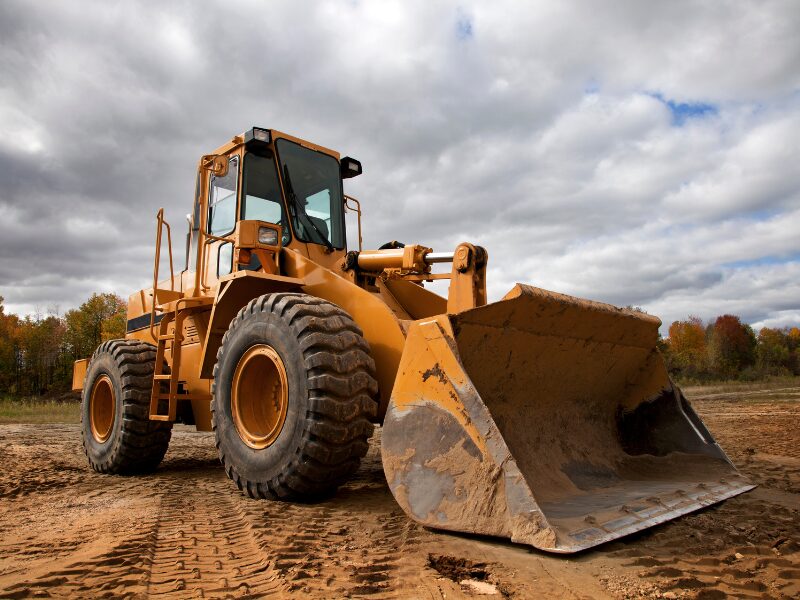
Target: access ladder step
[165, 377]
[163, 296]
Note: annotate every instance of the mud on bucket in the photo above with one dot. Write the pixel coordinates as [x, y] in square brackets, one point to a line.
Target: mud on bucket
[549, 420]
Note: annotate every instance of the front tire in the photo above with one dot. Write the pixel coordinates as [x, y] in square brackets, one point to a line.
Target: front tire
[293, 394]
[118, 435]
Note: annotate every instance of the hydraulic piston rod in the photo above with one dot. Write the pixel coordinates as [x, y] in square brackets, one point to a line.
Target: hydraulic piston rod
[438, 257]
[410, 257]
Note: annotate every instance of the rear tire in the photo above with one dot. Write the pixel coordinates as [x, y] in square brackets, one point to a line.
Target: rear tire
[118, 435]
[305, 442]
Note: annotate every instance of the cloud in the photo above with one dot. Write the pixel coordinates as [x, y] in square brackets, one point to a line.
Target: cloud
[634, 153]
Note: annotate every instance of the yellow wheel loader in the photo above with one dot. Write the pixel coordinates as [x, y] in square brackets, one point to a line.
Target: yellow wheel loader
[542, 418]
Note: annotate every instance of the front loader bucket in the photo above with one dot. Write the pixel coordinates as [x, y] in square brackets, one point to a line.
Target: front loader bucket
[549, 420]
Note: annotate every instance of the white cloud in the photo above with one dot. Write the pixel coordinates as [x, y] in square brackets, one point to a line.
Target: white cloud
[780, 319]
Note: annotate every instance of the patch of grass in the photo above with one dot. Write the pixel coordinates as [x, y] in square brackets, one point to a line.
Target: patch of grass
[724, 387]
[34, 410]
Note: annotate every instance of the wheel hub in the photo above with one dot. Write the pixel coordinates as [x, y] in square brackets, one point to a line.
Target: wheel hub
[102, 408]
[259, 396]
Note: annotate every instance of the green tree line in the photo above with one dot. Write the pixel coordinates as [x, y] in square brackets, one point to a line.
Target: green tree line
[36, 353]
[726, 348]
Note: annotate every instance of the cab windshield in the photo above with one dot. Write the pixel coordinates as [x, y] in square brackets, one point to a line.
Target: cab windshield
[261, 193]
[313, 188]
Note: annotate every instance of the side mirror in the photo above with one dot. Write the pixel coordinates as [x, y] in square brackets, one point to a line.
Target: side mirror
[350, 167]
[217, 164]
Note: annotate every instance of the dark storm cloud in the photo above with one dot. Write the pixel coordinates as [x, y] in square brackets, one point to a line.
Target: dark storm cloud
[546, 132]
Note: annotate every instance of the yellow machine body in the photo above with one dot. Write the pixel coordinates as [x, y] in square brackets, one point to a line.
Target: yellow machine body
[542, 418]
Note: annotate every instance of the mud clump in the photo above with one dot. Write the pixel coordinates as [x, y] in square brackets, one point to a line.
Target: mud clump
[472, 576]
[458, 569]
[434, 371]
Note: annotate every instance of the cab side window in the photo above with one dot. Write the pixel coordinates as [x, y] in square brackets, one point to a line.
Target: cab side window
[225, 259]
[222, 200]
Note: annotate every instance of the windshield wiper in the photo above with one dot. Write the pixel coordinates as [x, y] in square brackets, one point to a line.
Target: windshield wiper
[301, 210]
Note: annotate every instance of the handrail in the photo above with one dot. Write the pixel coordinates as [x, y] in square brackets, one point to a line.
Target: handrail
[357, 209]
[206, 245]
[161, 223]
[208, 239]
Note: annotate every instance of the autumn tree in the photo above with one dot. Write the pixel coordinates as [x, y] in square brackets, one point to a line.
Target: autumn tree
[687, 346]
[793, 342]
[37, 352]
[9, 350]
[113, 328]
[772, 351]
[41, 354]
[731, 346]
[101, 317]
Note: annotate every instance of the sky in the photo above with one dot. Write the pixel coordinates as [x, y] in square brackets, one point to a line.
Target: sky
[643, 154]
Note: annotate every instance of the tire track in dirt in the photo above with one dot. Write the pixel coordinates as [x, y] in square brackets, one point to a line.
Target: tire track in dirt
[357, 543]
[212, 541]
[746, 547]
[204, 548]
[719, 553]
[41, 480]
[329, 550]
[108, 567]
[25, 471]
[76, 534]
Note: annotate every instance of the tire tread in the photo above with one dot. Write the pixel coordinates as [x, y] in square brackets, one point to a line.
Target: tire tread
[142, 443]
[342, 397]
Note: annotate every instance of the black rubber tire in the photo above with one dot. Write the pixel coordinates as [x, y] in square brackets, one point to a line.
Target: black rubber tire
[331, 397]
[135, 444]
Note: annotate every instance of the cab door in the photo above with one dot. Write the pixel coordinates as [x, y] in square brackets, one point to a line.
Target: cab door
[223, 202]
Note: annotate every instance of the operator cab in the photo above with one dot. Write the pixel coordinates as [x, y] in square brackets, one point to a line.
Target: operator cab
[273, 178]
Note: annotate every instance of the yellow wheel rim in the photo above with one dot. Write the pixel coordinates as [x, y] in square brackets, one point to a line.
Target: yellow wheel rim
[102, 408]
[259, 396]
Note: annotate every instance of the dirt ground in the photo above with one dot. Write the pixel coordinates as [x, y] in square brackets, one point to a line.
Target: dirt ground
[185, 531]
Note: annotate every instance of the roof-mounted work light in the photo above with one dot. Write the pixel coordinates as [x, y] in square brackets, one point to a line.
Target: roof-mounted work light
[257, 140]
[350, 167]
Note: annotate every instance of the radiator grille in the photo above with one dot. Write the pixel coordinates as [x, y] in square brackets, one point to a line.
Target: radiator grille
[189, 328]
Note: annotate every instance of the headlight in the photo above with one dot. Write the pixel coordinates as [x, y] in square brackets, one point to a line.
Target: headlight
[267, 236]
